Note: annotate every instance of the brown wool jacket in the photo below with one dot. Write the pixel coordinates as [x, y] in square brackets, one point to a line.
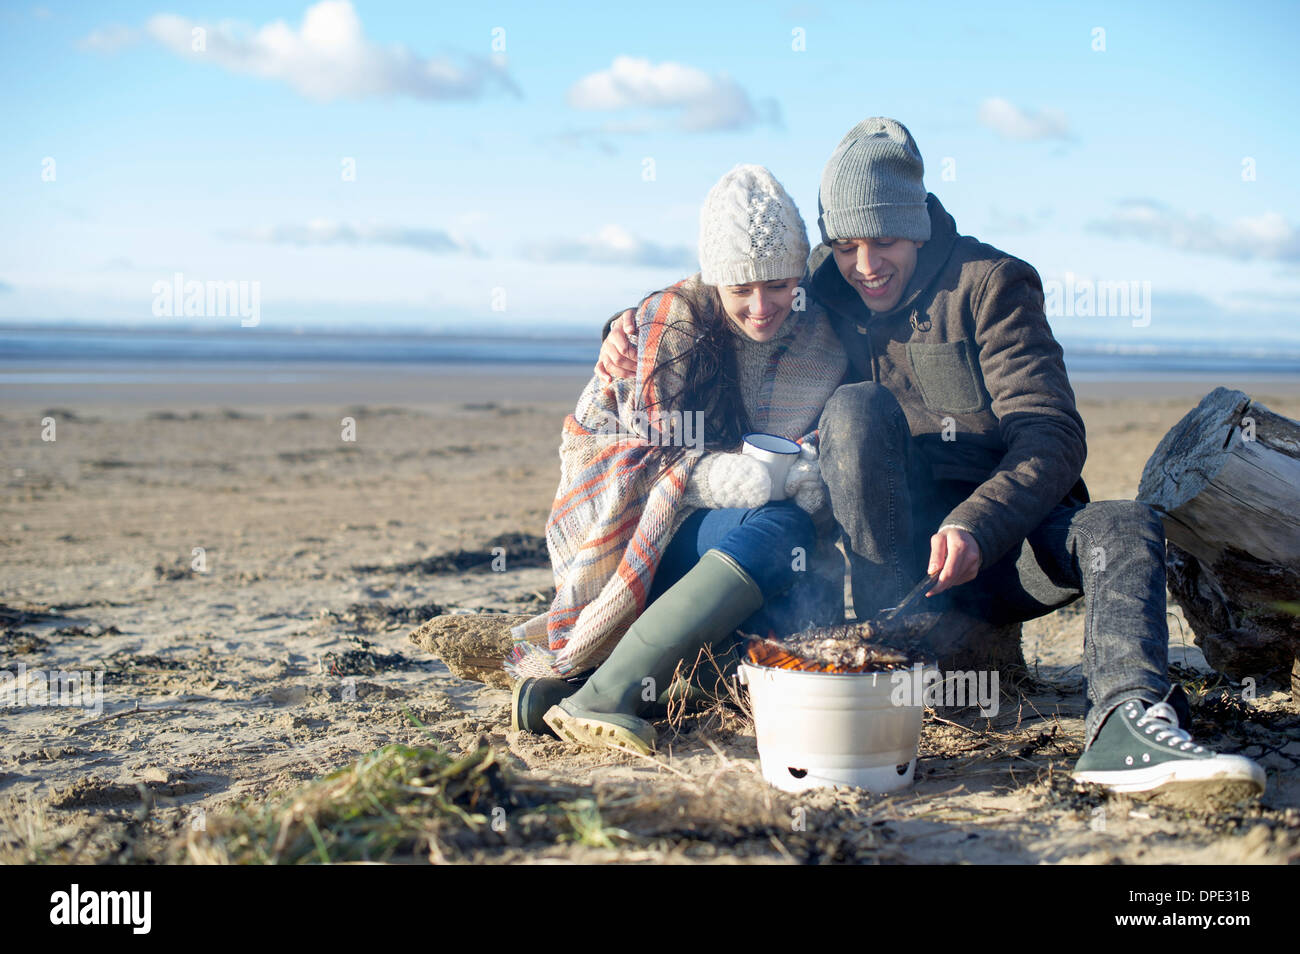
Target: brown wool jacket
[969, 345]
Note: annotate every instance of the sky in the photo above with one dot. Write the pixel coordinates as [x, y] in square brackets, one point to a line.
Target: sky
[529, 167]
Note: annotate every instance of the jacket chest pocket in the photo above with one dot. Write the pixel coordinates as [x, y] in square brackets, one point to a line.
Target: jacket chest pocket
[947, 376]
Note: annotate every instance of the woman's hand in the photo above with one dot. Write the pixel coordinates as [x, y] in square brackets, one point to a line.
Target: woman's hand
[618, 353]
[738, 480]
[955, 552]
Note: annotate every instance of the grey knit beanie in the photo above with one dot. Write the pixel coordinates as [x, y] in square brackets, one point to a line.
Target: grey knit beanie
[872, 186]
[750, 230]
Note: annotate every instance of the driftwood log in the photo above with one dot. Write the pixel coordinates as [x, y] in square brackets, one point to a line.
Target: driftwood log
[471, 645]
[1226, 481]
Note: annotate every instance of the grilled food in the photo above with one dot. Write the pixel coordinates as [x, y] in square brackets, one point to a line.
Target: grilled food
[878, 646]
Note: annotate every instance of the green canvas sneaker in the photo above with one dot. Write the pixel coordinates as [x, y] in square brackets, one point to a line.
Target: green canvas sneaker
[1141, 749]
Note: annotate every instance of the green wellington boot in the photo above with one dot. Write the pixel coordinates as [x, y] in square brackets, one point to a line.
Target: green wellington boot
[701, 609]
[530, 698]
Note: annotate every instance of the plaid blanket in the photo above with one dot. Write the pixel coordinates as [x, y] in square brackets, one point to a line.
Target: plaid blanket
[616, 508]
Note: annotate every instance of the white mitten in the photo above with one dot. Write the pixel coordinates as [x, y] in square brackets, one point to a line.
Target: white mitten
[737, 480]
[803, 482]
[811, 496]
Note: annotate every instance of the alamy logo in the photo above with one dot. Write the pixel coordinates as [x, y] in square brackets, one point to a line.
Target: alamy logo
[671, 429]
[58, 687]
[957, 688]
[1084, 298]
[103, 907]
[195, 299]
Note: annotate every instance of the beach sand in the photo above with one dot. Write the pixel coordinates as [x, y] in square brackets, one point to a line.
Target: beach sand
[285, 655]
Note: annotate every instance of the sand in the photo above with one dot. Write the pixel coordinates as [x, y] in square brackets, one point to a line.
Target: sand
[246, 581]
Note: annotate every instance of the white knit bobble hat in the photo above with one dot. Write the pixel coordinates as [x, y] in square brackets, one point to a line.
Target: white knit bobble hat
[750, 230]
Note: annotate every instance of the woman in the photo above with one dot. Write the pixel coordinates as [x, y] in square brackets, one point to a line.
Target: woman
[661, 550]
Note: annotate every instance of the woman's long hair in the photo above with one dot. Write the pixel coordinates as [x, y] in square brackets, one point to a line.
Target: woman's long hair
[710, 376]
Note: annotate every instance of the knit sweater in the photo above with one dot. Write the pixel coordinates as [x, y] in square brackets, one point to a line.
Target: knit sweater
[615, 511]
[752, 360]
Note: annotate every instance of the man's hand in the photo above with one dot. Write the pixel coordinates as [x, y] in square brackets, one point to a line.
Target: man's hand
[956, 552]
[618, 353]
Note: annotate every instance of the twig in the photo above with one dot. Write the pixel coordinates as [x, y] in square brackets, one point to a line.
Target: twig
[938, 718]
[776, 843]
[138, 710]
[727, 761]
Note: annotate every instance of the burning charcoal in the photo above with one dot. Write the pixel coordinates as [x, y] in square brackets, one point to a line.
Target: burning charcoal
[851, 647]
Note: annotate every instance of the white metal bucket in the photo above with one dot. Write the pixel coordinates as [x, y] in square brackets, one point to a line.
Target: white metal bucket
[818, 729]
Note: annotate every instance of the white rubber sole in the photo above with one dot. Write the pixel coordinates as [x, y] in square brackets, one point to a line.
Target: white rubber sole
[1225, 771]
[514, 706]
[594, 733]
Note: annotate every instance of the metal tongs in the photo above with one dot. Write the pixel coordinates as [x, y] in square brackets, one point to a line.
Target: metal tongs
[910, 600]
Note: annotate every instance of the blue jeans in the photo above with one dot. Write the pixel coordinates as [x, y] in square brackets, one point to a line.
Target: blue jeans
[1111, 553]
[774, 545]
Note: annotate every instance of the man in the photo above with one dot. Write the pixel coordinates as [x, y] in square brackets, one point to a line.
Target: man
[955, 436]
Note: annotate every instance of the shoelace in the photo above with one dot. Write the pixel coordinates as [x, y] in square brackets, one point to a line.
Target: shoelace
[1164, 723]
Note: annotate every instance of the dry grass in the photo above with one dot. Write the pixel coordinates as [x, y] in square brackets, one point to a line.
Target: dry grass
[400, 802]
[31, 834]
[27, 833]
[421, 804]
[721, 708]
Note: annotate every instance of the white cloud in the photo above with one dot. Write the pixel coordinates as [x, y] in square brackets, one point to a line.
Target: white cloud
[328, 57]
[612, 245]
[1266, 237]
[702, 102]
[327, 232]
[1011, 122]
[110, 39]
